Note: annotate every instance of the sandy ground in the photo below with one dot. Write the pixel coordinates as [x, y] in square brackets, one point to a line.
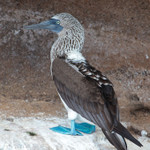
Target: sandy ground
[117, 39]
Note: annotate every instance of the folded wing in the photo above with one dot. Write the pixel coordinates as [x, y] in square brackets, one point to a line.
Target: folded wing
[89, 93]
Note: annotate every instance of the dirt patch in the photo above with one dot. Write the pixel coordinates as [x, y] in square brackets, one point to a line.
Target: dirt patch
[142, 111]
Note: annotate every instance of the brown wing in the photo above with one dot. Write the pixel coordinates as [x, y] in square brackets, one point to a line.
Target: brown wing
[98, 104]
[103, 83]
[81, 94]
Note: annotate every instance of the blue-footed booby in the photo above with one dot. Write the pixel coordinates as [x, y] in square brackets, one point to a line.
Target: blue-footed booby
[82, 89]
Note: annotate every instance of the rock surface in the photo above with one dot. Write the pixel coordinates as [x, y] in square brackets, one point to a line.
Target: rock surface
[30, 133]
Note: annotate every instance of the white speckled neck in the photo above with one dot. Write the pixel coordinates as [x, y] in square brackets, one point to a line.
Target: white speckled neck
[70, 40]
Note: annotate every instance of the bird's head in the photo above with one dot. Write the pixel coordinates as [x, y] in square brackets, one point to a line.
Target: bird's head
[59, 23]
[70, 33]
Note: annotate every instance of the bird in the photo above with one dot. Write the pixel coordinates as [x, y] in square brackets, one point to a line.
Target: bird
[83, 89]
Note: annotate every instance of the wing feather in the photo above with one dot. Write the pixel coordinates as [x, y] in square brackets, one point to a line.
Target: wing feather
[81, 94]
[84, 93]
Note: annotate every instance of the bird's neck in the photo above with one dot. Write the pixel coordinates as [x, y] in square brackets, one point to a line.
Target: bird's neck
[68, 42]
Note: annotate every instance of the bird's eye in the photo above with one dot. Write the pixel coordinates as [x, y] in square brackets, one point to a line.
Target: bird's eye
[57, 22]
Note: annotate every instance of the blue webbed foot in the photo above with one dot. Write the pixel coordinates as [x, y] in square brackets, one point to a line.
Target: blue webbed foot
[75, 128]
[85, 127]
[64, 130]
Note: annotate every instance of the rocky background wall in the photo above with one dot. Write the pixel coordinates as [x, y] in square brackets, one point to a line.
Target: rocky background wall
[117, 42]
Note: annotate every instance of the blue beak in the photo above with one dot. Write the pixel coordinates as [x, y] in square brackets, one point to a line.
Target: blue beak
[52, 25]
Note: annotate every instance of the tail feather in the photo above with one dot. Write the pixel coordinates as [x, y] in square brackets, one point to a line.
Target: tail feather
[116, 140]
[121, 130]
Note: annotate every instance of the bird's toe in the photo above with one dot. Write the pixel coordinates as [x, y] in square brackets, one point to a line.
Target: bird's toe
[66, 131]
[85, 127]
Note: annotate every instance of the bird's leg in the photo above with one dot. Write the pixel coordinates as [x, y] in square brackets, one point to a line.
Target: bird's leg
[67, 131]
[85, 127]
[73, 128]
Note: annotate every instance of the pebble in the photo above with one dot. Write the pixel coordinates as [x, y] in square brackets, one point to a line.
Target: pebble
[143, 133]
